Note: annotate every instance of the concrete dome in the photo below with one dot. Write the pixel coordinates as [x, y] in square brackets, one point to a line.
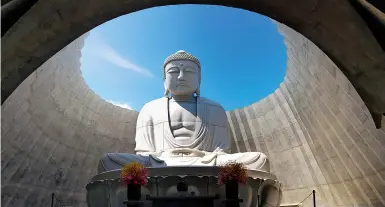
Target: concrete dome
[315, 129]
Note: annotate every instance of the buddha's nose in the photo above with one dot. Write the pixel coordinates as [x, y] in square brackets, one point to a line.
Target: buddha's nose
[181, 75]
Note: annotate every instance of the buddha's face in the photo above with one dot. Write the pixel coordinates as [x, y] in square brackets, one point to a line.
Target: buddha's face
[182, 77]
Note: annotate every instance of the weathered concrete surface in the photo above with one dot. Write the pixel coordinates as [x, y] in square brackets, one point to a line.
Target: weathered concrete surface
[316, 131]
[54, 129]
[333, 25]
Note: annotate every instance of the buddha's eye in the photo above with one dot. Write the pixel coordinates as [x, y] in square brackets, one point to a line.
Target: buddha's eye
[189, 70]
[173, 70]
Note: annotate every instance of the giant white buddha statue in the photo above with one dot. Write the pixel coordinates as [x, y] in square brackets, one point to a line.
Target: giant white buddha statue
[182, 128]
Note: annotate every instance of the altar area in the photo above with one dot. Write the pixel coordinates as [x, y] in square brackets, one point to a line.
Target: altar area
[262, 188]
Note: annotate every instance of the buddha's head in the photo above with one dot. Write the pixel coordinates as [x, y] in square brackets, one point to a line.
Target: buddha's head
[181, 74]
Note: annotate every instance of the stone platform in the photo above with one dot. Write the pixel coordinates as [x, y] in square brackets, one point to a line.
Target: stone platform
[105, 189]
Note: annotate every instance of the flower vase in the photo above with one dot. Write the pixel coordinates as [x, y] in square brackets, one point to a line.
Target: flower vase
[232, 189]
[134, 192]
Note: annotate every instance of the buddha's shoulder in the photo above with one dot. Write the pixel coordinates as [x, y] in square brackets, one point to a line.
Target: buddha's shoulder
[156, 102]
[216, 113]
[153, 106]
[151, 112]
[210, 102]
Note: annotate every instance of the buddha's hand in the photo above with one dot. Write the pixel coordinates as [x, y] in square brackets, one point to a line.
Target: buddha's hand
[219, 151]
[205, 157]
[188, 152]
[149, 153]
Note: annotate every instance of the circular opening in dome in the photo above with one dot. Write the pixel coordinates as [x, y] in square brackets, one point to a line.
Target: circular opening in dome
[242, 54]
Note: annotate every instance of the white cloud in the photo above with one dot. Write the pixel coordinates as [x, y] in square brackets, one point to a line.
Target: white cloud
[121, 104]
[106, 52]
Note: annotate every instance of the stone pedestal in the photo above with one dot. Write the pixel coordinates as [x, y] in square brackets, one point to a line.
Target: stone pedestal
[105, 189]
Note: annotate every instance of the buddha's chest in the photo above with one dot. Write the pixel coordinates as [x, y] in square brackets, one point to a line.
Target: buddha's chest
[182, 118]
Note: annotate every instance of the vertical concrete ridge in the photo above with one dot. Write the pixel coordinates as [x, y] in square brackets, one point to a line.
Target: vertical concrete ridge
[317, 132]
[54, 129]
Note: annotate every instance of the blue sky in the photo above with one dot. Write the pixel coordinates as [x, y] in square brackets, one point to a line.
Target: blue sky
[242, 54]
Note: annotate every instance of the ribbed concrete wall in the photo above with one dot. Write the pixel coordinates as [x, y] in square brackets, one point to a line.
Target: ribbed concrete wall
[316, 131]
[54, 129]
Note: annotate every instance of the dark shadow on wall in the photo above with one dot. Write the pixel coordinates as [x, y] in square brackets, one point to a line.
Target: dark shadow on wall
[373, 14]
[380, 4]
[12, 10]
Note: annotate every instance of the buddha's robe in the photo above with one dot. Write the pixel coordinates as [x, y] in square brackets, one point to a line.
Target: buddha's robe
[156, 145]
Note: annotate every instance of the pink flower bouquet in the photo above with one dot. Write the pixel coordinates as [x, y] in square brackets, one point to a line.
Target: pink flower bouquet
[134, 173]
[232, 171]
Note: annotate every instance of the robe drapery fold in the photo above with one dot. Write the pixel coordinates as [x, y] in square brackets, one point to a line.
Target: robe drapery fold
[153, 133]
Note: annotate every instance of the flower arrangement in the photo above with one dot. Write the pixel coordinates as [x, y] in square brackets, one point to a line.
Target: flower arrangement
[134, 173]
[232, 171]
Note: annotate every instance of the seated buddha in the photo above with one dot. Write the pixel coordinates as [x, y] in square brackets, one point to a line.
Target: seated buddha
[182, 128]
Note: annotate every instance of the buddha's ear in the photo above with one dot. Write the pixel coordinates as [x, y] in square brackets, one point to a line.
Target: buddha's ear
[198, 92]
[165, 89]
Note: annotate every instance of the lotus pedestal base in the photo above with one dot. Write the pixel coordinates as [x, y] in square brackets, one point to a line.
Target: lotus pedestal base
[106, 190]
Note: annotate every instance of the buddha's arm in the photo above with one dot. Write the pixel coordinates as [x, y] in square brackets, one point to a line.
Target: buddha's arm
[144, 137]
[221, 140]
